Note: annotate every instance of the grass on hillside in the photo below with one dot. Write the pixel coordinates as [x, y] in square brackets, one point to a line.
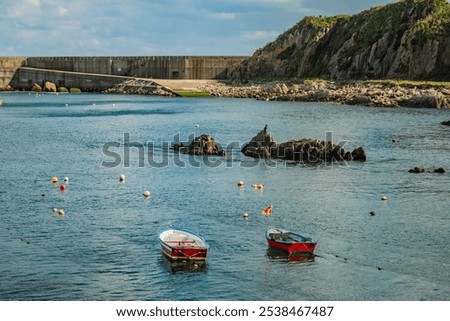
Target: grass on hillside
[193, 93]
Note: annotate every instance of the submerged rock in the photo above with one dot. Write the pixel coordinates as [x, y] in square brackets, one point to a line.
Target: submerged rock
[417, 170]
[201, 145]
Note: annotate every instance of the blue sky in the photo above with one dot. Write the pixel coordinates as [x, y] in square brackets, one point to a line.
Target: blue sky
[147, 27]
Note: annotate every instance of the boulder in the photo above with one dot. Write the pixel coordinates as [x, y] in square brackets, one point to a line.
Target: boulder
[36, 87]
[439, 170]
[417, 170]
[446, 123]
[359, 100]
[359, 154]
[424, 101]
[259, 146]
[63, 90]
[201, 145]
[50, 87]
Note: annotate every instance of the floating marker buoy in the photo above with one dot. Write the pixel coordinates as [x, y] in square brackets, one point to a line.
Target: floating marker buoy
[62, 187]
[66, 179]
[122, 178]
[260, 187]
[240, 183]
[147, 194]
[54, 179]
[67, 105]
[197, 126]
[384, 198]
[254, 186]
[54, 210]
[372, 213]
[245, 215]
[61, 212]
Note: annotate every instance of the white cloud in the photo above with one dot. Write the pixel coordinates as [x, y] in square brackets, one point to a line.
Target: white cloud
[223, 15]
[260, 35]
[61, 11]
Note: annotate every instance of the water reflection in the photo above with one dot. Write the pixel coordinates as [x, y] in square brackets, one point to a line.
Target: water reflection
[184, 265]
[275, 254]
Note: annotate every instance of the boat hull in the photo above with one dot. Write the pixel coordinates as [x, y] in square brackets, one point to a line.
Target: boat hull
[294, 247]
[289, 242]
[180, 245]
[183, 252]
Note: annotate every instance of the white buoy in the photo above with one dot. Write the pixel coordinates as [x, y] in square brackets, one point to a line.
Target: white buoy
[54, 210]
[66, 179]
[67, 105]
[147, 194]
[384, 198]
[240, 183]
[122, 178]
[254, 186]
[197, 126]
[245, 215]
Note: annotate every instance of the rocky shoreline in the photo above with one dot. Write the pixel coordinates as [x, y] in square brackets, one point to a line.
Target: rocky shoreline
[364, 93]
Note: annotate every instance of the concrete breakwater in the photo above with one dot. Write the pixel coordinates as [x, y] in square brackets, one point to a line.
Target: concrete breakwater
[100, 73]
[377, 94]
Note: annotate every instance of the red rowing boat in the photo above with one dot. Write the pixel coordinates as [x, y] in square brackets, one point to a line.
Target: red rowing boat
[290, 242]
[179, 244]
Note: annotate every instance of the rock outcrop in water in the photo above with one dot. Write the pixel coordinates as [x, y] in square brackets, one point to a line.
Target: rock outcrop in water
[201, 145]
[304, 150]
[409, 39]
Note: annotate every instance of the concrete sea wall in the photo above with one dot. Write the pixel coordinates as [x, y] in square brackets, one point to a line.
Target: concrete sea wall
[98, 73]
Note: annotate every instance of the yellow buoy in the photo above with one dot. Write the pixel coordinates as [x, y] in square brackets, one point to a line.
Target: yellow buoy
[61, 212]
[260, 186]
[384, 198]
[147, 194]
[245, 215]
[54, 179]
[240, 183]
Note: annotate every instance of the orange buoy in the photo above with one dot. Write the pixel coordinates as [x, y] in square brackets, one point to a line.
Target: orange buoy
[54, 179]
[62, 187]
[61, 212]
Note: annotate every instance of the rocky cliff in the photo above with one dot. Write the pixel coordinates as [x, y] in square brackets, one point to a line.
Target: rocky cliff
[409, 39]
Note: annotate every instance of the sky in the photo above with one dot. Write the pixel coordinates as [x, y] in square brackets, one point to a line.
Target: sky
[155, 28]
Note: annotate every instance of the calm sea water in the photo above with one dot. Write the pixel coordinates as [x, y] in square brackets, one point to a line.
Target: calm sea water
[105, 247]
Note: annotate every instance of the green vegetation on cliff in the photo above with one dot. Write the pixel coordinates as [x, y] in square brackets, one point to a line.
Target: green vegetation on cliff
[408, 39]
